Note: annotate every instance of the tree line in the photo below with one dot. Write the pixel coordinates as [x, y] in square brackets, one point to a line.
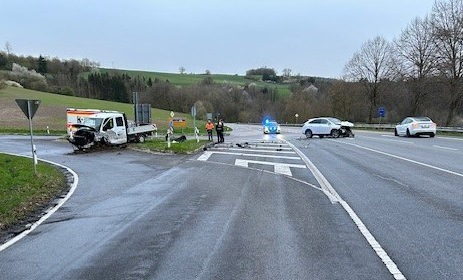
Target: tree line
[419, 73]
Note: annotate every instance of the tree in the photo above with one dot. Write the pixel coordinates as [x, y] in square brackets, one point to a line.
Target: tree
[181, 70]
[3, 61]
[8, 48]
[447, 27]
[415, 51]
[372, 64]
[287, 72]
[41, 65]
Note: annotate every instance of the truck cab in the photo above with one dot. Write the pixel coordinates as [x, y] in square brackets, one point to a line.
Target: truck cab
[112, 126]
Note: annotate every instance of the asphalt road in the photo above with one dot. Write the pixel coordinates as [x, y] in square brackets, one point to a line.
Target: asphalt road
[236, 212]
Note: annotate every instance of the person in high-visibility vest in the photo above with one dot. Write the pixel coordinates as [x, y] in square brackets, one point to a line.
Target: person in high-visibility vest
[219, 129]
[209, 129]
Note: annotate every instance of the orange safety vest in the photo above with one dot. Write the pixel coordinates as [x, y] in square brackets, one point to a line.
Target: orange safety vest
[209, 126]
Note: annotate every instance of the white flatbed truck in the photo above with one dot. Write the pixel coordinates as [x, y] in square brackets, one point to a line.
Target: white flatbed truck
[89, 128]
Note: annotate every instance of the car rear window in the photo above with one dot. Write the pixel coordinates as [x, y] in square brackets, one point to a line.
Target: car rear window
[423, 119]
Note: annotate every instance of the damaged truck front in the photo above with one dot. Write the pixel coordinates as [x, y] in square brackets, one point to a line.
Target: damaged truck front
[105, 128]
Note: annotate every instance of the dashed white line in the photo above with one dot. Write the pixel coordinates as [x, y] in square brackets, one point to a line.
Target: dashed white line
[405, 159]
[444, 148]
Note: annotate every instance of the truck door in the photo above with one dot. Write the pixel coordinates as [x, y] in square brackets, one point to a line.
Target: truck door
[115, 130]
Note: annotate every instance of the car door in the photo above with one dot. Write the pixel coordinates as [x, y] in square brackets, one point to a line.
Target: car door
[315, 126]
[324, 127]
[402, 127]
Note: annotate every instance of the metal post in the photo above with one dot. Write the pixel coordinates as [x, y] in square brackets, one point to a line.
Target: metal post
[135, 106]
[34, 153]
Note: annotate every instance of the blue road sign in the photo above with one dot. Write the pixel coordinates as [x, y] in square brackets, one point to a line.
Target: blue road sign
[382, 112]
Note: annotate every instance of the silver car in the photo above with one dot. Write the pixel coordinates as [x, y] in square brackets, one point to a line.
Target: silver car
[325, 126]
[415, 126]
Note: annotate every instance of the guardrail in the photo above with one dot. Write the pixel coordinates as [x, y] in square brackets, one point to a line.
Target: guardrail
[390, 127]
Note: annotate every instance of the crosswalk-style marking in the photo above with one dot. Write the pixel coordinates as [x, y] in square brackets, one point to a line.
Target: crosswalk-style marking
[207, 154]
[265, 151]
[259, 150]
[281, 168]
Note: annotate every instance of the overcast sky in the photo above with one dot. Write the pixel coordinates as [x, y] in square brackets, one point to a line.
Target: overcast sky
[314, 38]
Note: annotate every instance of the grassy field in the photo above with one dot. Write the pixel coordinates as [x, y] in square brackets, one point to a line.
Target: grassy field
[22, 192]
[189, 79]
[51, 113]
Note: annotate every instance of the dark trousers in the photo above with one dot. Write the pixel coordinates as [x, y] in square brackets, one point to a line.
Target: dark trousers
[220, 137]
[209, 135]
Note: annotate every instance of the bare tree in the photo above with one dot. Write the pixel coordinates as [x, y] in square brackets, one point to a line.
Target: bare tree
[8, 48]
[287, 72]
[447, 26]
[415, 53]
[181, 70]
[369, 66]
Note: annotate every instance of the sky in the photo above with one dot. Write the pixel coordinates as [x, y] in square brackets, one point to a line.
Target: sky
[311, 38]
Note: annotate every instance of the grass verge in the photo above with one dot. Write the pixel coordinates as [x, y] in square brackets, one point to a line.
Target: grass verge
[21, 192]
[160, 145]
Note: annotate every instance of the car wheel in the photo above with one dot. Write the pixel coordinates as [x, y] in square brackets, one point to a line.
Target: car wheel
[395, 132]
[432, 135]
[308, 133]
[321, 136]
[141, 138]
[335, 133]
[408, 133]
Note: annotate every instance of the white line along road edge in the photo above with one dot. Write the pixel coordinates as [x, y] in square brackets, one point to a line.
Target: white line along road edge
[334, 197]
[49, 212]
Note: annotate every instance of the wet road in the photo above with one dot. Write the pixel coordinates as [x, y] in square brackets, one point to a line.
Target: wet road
[147, 216]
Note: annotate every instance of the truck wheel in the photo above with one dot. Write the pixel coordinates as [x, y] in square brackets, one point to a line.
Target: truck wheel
[141, 138]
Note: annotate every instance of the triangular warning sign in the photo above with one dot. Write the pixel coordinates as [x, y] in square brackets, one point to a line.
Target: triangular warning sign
[29, 107]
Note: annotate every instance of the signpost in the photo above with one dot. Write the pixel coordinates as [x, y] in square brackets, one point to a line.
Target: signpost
[195, 129]
[381, 114]
[29, 107]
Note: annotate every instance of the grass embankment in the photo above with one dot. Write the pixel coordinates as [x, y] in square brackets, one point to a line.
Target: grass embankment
[51, 114]
[21, 192]
[160, 145]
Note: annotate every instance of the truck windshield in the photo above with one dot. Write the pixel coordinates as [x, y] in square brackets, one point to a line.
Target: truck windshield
[93, 122]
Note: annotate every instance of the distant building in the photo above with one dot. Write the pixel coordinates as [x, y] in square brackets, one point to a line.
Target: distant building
[311, 88]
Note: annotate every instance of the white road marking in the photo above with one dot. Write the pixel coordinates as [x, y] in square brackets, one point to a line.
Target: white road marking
[260, 151]
[333, 195]
[205, 156]
[391, 140]
[445, 148]
[405, 159]
[281, 168]
[243, 154]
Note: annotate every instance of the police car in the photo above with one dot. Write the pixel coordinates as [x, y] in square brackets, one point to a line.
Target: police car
[271, 126]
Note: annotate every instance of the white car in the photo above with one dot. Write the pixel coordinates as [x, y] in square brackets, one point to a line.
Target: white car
[325, 126]
[415, 126]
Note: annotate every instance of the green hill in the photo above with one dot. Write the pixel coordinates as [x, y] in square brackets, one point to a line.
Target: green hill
[51, 113]
[190, 79]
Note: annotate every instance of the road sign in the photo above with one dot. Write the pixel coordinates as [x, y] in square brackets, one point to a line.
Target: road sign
[193, 111]
[29, 107]
[172, 114]
[382, 112]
